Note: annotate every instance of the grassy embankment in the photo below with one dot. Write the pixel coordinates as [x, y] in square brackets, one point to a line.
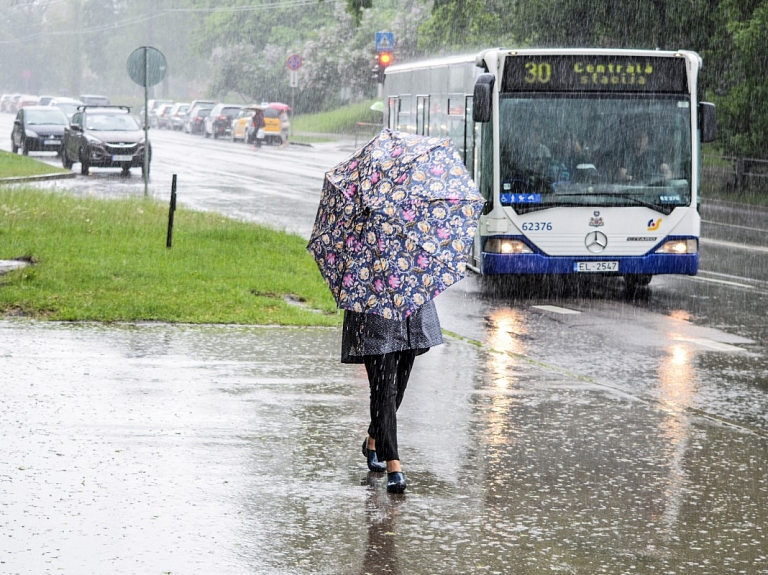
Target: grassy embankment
[14, 166]
[353, 119]
[107, 260]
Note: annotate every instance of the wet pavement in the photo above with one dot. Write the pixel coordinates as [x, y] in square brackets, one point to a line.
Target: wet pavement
[159, 449]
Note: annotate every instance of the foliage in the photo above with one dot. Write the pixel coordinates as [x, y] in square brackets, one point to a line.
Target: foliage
[106, 260]
[241, 46]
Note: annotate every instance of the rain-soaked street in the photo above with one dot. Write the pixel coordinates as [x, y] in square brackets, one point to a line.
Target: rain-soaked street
[578, 429]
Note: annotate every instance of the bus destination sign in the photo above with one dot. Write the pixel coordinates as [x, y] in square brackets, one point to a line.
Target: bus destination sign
[590, 73]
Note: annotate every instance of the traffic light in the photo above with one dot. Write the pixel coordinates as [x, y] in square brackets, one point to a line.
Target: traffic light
[383, 60]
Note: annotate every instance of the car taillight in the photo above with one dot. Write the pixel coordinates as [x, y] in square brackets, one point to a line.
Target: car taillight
[222, 117]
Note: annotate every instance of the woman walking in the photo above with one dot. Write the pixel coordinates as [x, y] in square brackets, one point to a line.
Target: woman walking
[388, 349]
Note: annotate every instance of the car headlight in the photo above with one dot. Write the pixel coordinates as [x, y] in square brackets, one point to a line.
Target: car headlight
[506, 246]
[91, 140]
[690, 246]
[30, 134]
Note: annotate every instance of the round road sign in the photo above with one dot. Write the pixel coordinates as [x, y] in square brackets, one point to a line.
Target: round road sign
[146, 66]
[294, 62]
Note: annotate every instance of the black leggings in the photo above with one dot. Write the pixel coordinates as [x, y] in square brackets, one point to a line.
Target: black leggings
[388, 377]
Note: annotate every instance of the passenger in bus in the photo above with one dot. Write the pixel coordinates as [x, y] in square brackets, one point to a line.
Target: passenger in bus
[643, 163]
[528, 154]
[569, 150]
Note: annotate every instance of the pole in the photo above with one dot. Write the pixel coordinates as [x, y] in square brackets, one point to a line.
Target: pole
[146, 120]
[169, 238]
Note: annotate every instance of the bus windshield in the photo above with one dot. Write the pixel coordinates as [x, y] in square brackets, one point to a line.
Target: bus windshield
[594, 149]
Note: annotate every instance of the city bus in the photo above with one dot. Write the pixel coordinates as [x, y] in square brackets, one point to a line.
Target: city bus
[588, 158]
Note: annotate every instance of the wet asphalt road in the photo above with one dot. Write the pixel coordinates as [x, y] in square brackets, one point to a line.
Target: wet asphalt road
[582, 430]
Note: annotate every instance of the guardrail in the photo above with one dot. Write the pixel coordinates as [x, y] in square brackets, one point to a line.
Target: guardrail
[733, 174]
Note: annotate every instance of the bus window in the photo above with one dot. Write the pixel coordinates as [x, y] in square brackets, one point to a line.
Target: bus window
[455, 123]
[404, 122]
[467, 140]
[393, 111]
[422, 115]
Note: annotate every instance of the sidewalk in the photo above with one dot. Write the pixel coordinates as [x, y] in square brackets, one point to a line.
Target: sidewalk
[152, 449]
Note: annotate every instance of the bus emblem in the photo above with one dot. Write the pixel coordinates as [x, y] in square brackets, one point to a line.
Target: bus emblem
[596, 220]
[596, 242]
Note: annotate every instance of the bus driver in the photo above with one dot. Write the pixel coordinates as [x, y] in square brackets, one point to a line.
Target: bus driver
[642, 163]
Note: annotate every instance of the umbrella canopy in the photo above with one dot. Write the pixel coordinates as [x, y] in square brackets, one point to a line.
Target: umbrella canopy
[395, 224]
[279, 106]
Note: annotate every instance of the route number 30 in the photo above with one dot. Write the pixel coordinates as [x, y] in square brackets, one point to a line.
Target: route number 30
[538, 73]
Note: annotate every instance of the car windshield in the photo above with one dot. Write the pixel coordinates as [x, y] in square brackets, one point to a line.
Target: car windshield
[111, 123]
[595, 150]
[52, 117]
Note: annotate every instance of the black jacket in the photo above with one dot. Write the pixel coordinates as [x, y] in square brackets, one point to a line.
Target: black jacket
[370, 334]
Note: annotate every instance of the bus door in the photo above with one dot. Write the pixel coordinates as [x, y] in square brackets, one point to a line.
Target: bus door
[422, 115]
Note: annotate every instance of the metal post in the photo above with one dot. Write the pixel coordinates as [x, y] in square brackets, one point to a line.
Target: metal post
[146, 122]
[169, 239]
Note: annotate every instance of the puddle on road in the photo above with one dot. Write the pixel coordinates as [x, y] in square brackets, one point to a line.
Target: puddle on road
[235, 450]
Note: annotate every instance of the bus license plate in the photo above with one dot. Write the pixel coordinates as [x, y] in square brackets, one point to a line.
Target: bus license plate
[122, 158]
[596, 266]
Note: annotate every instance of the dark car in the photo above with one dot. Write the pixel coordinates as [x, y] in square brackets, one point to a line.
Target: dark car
[195, 119]
[104, 137]
[219, 121]
[38, 129]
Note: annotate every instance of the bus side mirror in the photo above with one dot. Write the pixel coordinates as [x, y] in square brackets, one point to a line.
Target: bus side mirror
[707, 121]
[483, 98]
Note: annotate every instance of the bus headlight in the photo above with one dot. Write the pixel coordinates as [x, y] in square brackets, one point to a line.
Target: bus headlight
[679, 247]
[506, 246]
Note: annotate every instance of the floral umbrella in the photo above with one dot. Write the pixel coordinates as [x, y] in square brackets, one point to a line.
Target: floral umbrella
[395, 224]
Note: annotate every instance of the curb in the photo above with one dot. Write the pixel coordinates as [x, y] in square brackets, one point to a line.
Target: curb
[38, 178]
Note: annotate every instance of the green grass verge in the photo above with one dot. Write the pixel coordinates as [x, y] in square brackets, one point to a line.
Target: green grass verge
[343, 120]
[106, 260]
[15, 165]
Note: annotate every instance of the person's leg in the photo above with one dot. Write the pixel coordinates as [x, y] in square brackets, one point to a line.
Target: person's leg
[382, 378]
[388, 378]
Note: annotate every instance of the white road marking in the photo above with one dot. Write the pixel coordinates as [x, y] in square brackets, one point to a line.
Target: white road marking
[557, 309]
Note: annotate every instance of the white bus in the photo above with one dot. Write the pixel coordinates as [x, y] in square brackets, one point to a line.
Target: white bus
[588, 158]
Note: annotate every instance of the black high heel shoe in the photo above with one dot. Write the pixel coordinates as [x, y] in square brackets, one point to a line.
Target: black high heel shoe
[373, 462]
[395, 482]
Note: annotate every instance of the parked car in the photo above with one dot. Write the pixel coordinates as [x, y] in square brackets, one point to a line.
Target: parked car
[38, 129]
[202, 103]
[12, 104]
[104, 137]
[67, 105]
[219, 122]
[95, 100]
[152, 107]
[195, 119]
[177, 115]
[44, 100]
[242, 121]
[163, 116]
[272, 129]
[26, 100]
[5, 102]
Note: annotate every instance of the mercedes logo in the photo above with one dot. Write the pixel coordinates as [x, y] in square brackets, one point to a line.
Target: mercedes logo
[596, 242]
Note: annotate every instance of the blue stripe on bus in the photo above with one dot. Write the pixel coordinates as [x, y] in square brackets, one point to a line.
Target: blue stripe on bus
[537, 263]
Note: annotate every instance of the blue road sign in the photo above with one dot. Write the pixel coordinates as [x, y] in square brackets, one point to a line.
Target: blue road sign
[385, 41]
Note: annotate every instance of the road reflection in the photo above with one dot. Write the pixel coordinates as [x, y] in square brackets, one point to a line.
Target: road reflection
[381, 512]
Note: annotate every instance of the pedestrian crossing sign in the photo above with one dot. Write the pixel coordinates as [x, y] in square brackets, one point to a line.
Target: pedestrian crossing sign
[385, 41]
